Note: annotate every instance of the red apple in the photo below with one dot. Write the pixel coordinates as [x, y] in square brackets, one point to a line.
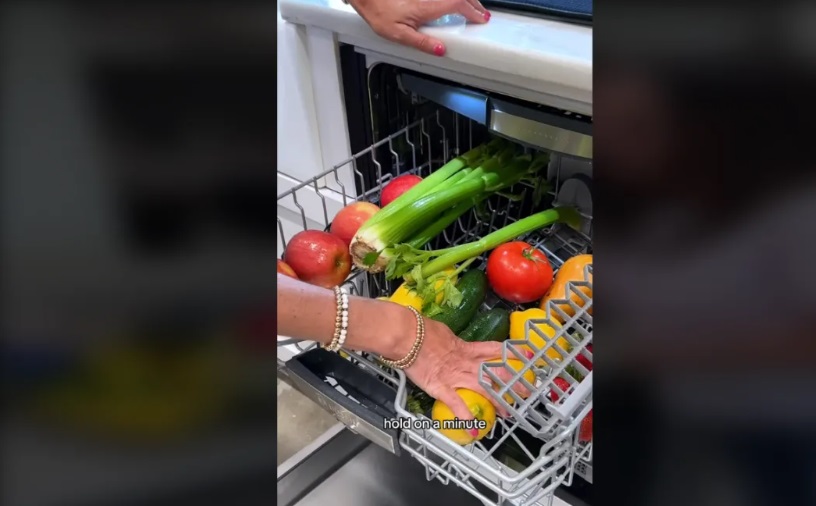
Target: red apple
[397, 187]
[319, 258]
[284, 268]
[350, 218]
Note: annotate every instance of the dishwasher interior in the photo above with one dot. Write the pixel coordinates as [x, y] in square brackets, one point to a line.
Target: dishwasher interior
[402, 122]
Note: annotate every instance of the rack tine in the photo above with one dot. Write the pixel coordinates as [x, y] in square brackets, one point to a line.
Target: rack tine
[395, 155]
[456, 150]
[379, 172]
[445, 154]
[282, 235]
[428, 140]
[322, 201]
[302, 211]
[342, 186]
[413, 150]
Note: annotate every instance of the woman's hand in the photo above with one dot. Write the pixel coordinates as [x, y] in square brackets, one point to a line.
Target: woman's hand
[399, 20]
[446, 363]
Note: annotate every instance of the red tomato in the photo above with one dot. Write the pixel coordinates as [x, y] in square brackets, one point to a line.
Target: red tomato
[560, 383]
[583, 360]
[518, 272]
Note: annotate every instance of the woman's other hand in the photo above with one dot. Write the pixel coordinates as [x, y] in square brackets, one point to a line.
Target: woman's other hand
[399, 20]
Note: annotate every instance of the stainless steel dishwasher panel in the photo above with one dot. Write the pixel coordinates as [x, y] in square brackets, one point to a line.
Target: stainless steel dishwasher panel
[343, 469]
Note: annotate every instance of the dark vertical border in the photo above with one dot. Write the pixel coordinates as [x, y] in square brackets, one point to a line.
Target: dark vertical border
[703, 205]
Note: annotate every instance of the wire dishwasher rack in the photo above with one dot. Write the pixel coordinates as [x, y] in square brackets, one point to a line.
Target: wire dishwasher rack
[543, 433]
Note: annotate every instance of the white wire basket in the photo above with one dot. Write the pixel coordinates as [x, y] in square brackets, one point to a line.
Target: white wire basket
[542, 430]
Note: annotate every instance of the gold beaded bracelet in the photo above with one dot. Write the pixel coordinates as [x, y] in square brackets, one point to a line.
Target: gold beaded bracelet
[340, 320]
[409, 359]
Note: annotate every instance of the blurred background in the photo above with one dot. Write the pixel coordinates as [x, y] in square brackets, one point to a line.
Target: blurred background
[704, 216]
[138, 242]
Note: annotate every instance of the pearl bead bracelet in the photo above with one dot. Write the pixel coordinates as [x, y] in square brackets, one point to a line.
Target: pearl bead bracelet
[340, 320]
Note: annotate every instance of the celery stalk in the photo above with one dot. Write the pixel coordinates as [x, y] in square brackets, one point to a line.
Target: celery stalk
[419, 267]
[370, 246]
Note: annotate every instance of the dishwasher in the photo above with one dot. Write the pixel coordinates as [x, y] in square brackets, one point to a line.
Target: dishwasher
[402, 118]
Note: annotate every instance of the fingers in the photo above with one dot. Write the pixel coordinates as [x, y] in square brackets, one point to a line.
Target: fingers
[473, 11]
[482, 352]
[479, 7]
[456, 404]
[493, 351]
[408, 36]
[507, 376]
[486, 351]
[476, 387]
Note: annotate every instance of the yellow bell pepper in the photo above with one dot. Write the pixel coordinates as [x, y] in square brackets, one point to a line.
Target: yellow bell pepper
[479, 407]
[407, 296]
[518, 326]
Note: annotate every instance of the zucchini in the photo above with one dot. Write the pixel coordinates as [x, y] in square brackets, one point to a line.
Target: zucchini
[493, 325]
[473, 287]
[419, 402]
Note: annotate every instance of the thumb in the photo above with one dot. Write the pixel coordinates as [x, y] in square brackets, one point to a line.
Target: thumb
[459, 408]
[425, 43]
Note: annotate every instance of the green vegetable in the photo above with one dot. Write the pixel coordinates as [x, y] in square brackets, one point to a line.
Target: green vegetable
[421, 267]
[418, 402]
[574, 372]
[473, 287]
[418, 210]
[424, 236]
[493, 325]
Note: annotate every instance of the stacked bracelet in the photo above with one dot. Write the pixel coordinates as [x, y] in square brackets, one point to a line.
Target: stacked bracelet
[409, 359]
[340, 320]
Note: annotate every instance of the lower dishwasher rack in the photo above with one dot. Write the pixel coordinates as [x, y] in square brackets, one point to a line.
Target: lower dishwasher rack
[362, 393]
[344, 469]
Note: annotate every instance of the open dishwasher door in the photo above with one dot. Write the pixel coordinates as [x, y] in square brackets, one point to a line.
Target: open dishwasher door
[345, 469]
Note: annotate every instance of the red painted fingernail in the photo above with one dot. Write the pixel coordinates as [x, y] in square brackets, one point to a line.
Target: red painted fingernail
[439, 50]
[528, 354]
[487, 16]
[473, 432]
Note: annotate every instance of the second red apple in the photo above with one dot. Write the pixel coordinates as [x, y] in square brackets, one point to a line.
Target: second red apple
[350, 218]
[319, 258]
[397, 187]
[284, 268]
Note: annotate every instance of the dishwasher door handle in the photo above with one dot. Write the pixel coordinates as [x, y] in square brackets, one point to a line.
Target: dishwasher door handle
[365, 413]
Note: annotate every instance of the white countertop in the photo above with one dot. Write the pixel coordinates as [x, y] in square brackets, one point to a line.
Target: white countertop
[539, 55]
